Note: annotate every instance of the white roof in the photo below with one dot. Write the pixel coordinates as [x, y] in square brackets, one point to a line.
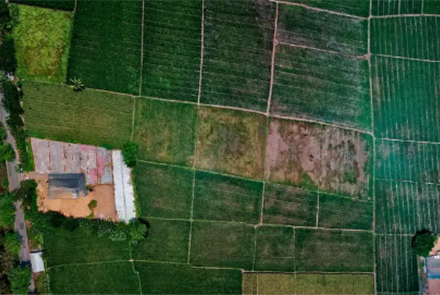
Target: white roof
[37, 261]
[124, 192]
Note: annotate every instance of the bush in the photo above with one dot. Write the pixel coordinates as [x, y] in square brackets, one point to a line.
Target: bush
[129, 152]
[8, 61]
[26, 193]
[92, 205]
[7, 153]
[12, 242]
[423, 242]
[7, 211]
[20, 278]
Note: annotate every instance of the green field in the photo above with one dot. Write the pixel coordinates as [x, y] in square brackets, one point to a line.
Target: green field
[237, 53]
[106, 278]
[104, 55]
[321, 86]
[393, 7]
[222, 245]
[67, 5]
[165, 131]
[88, 117]
[218, 197]
[432, 7]
[335, 251]
[275, 249]
[289, 205]
[167, 241]
[182, 279]
[359, 8]
[172, 41]
[42, 44]
[163, 191]
[300, 26]
[304, 284]
[232, 142]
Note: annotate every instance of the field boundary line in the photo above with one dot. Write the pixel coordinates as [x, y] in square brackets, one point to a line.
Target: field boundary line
[364, 57]
[202, 44]
[405, 181]
[76, 5]
[318, 9]
[310, 272]
[133, 117]
[406, 58]
[262, 200]
[404, 15]
[272, 68]
[134, 269]
[255, 247]
[87, 263]
[142, 48]
[409, 141]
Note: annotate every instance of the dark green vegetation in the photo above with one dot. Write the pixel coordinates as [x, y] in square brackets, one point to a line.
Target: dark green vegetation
[300, 26]
[68, 5]
[289, 205]
[89, 117]
[8, 60]
[231, 141]
[172, 41]
[359, 8]
[304, 284]
[103, 55]
[42, 40]
[390, 36]
[431, 7]
[218, 197]
[237, 53]
[129, 153]
[105, 278]
[182, 279]
[396, 265]
[165, 131]
[405, 93]
[393, 7]
[308, 85]
[423, 242]
[19, 278]
[163, 191]
[222, 244]
[7, 211]
[320, 250]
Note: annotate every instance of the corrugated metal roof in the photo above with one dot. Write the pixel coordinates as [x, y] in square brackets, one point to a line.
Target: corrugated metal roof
[67, 185]
[433, 267]
[37, 261]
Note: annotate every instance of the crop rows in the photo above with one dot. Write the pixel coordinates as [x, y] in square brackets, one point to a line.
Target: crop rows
[394, 7]
[358, 8]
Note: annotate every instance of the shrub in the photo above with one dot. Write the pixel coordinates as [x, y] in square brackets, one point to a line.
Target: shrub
[423, 242]
[8, 61]
[20, 278]
[12, 242]
[93, 204]
[7, 153]
[26, 193]
[7, 211]
[129, 152]
[77, 85]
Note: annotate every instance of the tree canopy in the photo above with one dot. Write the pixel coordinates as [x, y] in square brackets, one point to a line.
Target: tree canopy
[423, 242]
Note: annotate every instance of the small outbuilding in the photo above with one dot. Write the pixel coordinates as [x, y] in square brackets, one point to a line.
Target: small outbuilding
[37, 262]
[67, 185]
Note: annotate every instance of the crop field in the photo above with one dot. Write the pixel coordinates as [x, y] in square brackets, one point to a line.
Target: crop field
[171, 51]
[165, 131]
[42, 57]
[303, 284]
[431, 7]
[308, 85]
[393, 7]
[362, 7]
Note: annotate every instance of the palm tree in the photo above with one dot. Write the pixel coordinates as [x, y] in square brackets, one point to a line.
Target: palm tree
[77, 85]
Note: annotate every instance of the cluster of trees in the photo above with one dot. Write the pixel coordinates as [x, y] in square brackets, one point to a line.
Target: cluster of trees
[423, 242]
[8, 61]
[129, 153]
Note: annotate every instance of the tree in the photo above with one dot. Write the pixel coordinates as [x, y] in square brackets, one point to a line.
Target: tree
[12, 242]
[8, 62]
[27, 193]
[7, 153]
[7, 211]
[7, 263]
[423, 242]
[5, 17]
[129, 153]
[92, 205]
[20, 278]
[77, 85]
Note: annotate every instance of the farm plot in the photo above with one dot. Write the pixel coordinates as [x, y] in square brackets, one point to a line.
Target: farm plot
[167, 241]
[404, 207]
[42, 41]
[289, 205]
[106, 278]
[89, 117]
[165, 131]
[218, 197]
[342, 212]
[312, 156]
[304, 284]
[163, 191]
[405, 96]
[222, 245]
[106, 45]
[67, 5]
[172, 53]
[275, 249]
[358, 8]
[300, 26]
[431, 7]
[396, 265]
[231, 141]
[183, 279]
[237, 53]
[395, 7]
[322, 250]
[80, 246]
[321, 86]
[414, 37]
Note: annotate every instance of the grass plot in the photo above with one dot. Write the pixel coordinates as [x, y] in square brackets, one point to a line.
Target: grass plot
[67, 5]
[42, 41]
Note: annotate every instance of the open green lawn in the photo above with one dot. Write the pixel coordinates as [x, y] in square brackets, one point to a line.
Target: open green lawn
[42, 42]
[67, 5]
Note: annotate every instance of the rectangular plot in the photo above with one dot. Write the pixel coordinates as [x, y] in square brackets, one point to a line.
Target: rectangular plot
[218, 197]
[405, 99]
[275, 249]
[320, 250]
[415, 37]
[301, 26]
[222, 245]
[237, 53]
[358, 7]
[289, 205]
[103, 55]
[163, 191]
[172, 41]
[321, 86]
[182, 279]
[396, 265]
[405, 208]
[250, 284]
[396, 7]
[341, 212]
[167, 241]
